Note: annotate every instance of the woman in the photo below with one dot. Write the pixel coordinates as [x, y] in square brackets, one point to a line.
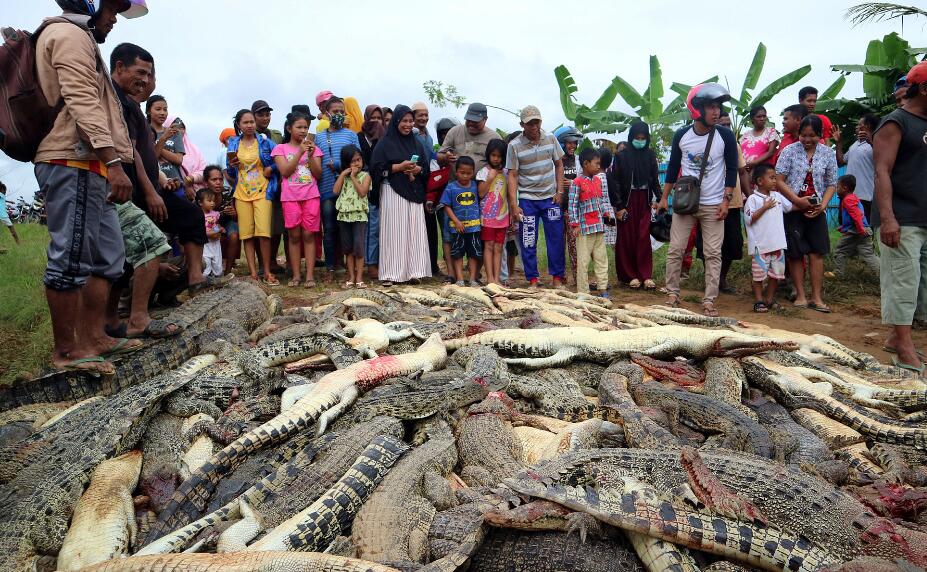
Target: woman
[638, 192]
[387, 117]
[250, 169]
[759, 144]
[331, 140]
[168, 143]
[808, 178]
[371, 132]
[191, 169]
[399, 190]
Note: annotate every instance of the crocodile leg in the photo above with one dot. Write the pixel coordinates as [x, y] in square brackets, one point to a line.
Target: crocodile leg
[563, 356]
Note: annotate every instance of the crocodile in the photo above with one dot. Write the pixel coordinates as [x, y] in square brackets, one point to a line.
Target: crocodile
[725, 381]
[539, 444]
[706, 415]
[787, 497]
[506, 550]
[373, 334]
[678, 316]
[331, 395]
[639, 429]
[315, 527]
[392, 526]
[858, 458]
[198, 444]
[557, 346]
[896, 467]
[488, 449]
[162, 447]
[795, 444]
[241, 562]
[242, 301]
[297, 484]
[678, 372]
[836, 435]
[103, 526]
[37, 503]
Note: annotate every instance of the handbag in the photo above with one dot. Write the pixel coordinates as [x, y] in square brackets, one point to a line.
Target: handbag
[660, 226]
[687, 190]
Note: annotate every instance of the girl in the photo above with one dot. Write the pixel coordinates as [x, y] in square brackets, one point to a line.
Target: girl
[300, 164]
[351, 188]
[759, 144]
[495, 208]
[250, 168]
[168, 142]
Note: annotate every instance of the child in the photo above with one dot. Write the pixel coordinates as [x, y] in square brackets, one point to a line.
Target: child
[300, 164]
[856, 239]
[4, 216]
[212, 250]
[462, 207]
[495, 208]
[763, 212]
[589, 209]
[351, 188]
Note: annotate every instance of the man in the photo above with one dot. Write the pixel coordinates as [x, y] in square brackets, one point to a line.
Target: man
[858, 160]
[5, 216]
[469, 139]
[262, 115]
[791, 120]
[900, 155]
[144, 242]
[808, 97]
[79, 166]
[717, 188]
[420, 116]
[732, 248]
[535, 187]
[901, 91]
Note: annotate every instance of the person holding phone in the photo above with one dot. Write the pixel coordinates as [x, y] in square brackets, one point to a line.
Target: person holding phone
[807, 178]
[400, 168]
[168, 142]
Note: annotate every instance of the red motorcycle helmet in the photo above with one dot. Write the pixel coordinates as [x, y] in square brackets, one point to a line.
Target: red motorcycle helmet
[705, 93]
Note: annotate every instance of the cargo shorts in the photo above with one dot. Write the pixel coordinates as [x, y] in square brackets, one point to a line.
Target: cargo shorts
[143, 240]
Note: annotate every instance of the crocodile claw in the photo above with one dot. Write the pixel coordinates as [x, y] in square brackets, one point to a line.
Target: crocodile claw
[584, 524]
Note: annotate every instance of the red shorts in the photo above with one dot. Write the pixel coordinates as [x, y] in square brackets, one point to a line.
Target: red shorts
[493, 234]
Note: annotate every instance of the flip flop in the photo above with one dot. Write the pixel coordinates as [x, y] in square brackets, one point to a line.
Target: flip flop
[823, 308]
[361, 285]
[117, 332]
[74, 365]
[292, 283]
[710, 311]
[803, 306]
[157, 329]
[122, 347]
[309, 284]
[889, 350]
[902, 365]
[273, 282]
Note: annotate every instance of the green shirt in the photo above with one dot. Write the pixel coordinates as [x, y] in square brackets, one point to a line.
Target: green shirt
[351, 207]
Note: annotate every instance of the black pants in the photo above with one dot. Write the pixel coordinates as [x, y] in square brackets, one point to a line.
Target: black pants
[431, 227]
[867, 209]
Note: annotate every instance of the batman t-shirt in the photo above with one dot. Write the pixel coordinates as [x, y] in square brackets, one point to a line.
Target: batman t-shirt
[465, 203]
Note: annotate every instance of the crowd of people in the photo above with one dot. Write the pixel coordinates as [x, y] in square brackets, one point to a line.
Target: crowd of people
[376, 194]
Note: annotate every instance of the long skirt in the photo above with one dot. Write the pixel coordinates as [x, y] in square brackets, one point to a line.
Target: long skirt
[403, 238]
[633, 255]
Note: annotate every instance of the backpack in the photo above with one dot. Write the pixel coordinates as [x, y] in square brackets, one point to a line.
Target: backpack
[25, 116]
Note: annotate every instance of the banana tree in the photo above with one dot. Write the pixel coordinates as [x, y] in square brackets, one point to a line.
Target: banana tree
[594, 119]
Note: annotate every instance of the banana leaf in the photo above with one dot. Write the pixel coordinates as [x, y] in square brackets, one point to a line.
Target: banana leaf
[567, 89]
[739, 105]
[823, 106]
[833, 90]
[654, 90]
[876, 55]
[627, 92]
[584, 113]
[753, 74]
[683, 89]
[896, 49]
[776, 86]
[850, 68]
[608, 96]
[674, 118]
[917, 51]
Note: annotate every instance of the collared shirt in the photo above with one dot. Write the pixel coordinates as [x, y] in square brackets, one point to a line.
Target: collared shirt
[535, 162]
[793, 165]
[588, 204]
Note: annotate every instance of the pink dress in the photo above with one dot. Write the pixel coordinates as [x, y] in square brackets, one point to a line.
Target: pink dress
[755, 146]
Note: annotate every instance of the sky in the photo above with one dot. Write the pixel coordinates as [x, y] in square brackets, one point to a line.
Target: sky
[216, 57]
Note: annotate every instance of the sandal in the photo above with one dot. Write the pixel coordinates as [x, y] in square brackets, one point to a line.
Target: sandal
[672, 301]
[889, 350]
[897, 363]
[158, 329]
[294, 283]
[634, 284]
[775, 306]
[122, 347]
[760, 307]
[360, 285]
[272, 281]
[348, 286]
[823, 308]
[309, 284]
[97, 365]
[650, 284]
[710, 311]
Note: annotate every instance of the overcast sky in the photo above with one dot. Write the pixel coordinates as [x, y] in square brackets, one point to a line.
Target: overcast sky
[215, 57]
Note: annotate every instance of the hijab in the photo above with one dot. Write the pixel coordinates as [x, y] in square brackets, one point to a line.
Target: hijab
[394, 148]
[373, 128]
[352, 109]
[193, 160]
[638, 162]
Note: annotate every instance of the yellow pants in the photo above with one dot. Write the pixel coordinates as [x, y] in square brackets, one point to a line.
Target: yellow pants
[591, 246]
[253, 218]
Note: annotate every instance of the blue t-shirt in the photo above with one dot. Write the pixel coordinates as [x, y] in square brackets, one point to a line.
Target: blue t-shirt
[4, 216]
[331, 143]
[465, 203]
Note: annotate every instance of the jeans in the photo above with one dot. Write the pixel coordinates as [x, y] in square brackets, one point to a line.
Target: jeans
[549, 214]
[329, 232]
[372, 252]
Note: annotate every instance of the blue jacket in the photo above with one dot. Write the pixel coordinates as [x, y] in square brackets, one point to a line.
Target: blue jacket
[265, 146]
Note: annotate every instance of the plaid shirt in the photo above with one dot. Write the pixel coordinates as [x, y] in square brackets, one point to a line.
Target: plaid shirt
[587, 205]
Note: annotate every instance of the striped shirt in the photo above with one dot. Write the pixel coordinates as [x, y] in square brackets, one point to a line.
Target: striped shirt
[537, 175]
[331, 143]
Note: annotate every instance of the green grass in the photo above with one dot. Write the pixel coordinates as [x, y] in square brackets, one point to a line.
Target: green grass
[25, 329]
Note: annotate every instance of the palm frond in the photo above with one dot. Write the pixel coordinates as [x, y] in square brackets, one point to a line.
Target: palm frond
[878, 11]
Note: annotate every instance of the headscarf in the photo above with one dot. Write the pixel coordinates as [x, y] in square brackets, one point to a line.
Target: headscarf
[395, 148]
[638, 161]
[352, 110]
[193, 161]
[373, 128]
[225, 135]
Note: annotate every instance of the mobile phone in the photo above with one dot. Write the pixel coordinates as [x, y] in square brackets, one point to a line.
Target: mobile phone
[414, 159]
[177, 122]
[814, 199]
[310, 137]
[229, 155]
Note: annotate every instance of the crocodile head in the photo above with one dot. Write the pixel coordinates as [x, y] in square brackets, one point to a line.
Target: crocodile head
[678, 372]
[495, 403]
[737, 346]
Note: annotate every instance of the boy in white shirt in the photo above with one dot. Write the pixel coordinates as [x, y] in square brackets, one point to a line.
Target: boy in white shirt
[763, 212]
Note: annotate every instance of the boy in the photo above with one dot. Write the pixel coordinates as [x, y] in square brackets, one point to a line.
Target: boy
[462, 208]
[589, 209]
[212, 251]
[854, 226]
[4, 216]
[763, 212]
[791, 120]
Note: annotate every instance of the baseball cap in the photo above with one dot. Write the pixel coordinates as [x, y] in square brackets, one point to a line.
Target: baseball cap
[137, 9]
[446, 124]
[918, 74]
[260, 105]
[226, 134]
[322, 97]
[419, 106]
[476, 112]
[530, 112]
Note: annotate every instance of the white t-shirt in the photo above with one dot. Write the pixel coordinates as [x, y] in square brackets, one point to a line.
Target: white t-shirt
[861, 166]
[692, 146]
[767, 234]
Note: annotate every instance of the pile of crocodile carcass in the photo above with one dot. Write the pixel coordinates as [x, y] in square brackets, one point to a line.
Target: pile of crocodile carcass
[466, 429]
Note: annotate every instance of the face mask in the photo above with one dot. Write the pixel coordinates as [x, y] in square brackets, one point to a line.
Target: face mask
[638, 144]
[337, 120]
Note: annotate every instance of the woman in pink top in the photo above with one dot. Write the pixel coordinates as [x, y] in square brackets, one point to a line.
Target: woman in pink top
[760, 143]
[300, 165]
